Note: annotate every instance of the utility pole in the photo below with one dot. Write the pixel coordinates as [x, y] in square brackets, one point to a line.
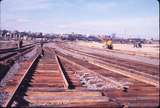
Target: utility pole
[125, 35]
[0, 19]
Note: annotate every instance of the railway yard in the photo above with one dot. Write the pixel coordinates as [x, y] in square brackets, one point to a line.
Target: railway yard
[74, 75]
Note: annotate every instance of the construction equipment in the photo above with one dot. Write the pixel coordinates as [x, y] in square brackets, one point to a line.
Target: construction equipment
[107, 43]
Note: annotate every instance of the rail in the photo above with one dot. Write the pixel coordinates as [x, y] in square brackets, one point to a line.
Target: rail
[10, 54]
[106, 79]
[11, 98]
[67, 85]
[104, 65]
[2, 51]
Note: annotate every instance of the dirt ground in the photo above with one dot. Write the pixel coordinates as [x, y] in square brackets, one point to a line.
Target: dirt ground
[147, 50]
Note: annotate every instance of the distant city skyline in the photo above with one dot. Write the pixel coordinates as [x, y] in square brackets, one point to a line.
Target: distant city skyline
[128, 17]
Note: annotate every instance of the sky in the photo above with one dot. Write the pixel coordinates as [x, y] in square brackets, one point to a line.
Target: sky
[128, 18]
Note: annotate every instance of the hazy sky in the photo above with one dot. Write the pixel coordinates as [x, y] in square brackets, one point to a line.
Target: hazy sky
[138, 18]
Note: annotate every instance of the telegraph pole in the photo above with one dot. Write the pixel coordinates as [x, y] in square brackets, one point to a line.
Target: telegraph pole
[0, 19]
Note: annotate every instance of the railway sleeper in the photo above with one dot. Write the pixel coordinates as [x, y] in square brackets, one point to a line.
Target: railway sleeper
[86, 105]
[47, 78]
[46, 89]
[58, 100]
[46, 75]
[142, 104]
[46, 71]
[66, 93]
[46, 81]
[47, 85]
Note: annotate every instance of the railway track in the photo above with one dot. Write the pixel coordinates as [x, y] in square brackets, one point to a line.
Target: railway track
[7, 59]
[148, 73]
[6, 50]
[59, 79]
[121, 62]
[11, 54]
[134, 93]
[49, 81]
[132, 53]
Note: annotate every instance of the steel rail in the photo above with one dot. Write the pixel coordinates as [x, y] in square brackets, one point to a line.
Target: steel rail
[67, 84]
[104, 65]
[2, 51]
[124, 105]
[120, 67]
[91, 71]
[11, 98]
[10, 54]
